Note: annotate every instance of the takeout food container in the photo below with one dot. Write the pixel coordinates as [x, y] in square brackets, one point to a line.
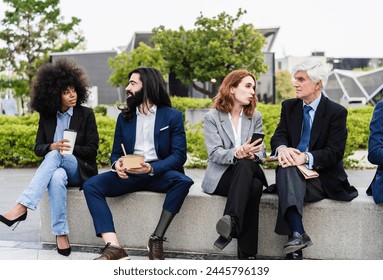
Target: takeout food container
[132, 161]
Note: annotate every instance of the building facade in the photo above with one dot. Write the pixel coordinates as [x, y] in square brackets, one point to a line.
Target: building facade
[97, 67]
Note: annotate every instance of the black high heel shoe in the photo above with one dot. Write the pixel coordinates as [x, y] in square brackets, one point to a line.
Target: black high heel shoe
[65, 252]
[11, 222]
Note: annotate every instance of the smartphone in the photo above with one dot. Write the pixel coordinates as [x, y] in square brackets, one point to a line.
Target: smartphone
[256, 136]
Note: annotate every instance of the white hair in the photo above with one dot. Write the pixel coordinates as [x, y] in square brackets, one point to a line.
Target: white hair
[316, 70]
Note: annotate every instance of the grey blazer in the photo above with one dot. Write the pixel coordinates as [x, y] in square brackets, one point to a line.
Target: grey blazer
[219, 141]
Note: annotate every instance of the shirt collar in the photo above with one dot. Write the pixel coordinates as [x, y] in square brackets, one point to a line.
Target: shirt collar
[69, 112]
[152, 111]
[315, 103]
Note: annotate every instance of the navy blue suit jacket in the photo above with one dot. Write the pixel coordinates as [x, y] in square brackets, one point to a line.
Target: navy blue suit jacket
[169, 139]
[375, 143]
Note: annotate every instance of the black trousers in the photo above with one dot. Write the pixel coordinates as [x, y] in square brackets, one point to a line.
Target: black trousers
[294, 190]
[242, 184]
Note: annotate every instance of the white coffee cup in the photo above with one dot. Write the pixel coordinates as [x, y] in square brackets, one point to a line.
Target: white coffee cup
[71, 135]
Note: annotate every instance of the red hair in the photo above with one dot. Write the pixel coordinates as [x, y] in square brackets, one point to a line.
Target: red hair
[224, 100]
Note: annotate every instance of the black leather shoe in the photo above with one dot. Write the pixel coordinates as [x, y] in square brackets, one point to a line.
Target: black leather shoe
[297, 242]
[297, 255]
[221, 243]
[225, 228]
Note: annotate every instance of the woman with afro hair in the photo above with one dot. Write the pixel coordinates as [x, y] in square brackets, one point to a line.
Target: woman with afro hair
[57, 94]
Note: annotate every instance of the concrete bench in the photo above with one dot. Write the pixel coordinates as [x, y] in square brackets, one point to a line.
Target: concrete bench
[339, 230]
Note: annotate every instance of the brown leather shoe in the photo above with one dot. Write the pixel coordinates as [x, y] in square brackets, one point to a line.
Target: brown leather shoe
[113, 252]
[155, 248]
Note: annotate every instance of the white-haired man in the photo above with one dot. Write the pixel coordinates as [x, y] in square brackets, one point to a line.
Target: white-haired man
[312, 132]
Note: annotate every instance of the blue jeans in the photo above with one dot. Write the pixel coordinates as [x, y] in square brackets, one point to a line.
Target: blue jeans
[54, 173]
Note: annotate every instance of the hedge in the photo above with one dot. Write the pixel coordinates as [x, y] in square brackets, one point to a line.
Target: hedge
[17, 134]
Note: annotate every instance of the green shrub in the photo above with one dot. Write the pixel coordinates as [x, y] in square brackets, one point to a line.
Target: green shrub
[100, 109]
[183, 103]
[17, 134]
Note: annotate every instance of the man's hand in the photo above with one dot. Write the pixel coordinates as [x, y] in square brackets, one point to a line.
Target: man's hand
[120, 170]
[144, 169]
[290, 157]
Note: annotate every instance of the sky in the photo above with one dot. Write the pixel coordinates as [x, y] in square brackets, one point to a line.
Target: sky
[339, 28]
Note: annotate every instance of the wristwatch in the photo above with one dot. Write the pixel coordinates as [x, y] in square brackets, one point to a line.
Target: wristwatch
[307, 158]
[151, 173]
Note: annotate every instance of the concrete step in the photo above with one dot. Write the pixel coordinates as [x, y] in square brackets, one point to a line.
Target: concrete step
[339, 230]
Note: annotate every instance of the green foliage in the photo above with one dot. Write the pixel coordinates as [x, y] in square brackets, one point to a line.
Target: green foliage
[283, 86]
[358, 125]
[214, 48]
[31, 30]
[106, 127]
[123, 63]
[17, 134]
[100, 109]
[17, 143]
[197, 154]
[183, 103]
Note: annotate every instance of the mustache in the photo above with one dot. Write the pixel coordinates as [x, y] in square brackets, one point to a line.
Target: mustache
[134, 99]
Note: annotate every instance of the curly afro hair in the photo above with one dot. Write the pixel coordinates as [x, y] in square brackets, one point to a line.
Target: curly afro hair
[52, 79]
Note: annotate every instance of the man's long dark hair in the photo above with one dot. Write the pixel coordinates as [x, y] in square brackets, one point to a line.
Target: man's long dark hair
[153, 90]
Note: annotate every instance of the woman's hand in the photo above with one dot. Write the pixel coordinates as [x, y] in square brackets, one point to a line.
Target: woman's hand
[60, 145]
[247, 150]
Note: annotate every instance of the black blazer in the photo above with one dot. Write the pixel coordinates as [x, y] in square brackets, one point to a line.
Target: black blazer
[327, 142]
[85, 149]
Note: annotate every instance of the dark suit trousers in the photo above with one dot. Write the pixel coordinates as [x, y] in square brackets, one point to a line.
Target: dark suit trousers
[242, 186]
[175, 184]
[294, 190]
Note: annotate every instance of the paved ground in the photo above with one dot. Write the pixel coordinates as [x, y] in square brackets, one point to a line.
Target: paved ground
[24, 242]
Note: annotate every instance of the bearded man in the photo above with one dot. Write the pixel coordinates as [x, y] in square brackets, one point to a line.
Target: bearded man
[148, 126]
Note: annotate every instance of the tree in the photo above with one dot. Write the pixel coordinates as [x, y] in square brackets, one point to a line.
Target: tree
[283, 86]
[123, 63]
[211, 50]
[31, 30]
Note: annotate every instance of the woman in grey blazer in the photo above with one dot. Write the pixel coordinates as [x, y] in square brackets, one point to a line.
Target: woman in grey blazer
[234, 169]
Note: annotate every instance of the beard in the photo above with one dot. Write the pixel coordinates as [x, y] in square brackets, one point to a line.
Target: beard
[132, 102]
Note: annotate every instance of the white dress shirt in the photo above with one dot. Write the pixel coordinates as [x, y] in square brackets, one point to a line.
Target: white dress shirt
[145, 135]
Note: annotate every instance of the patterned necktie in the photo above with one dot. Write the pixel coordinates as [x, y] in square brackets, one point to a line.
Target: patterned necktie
[305, 138]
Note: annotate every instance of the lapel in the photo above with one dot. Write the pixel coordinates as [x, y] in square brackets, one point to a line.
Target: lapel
[245, 128]
[318, 122]
[50, 126]
[226, 126]
[158, 124]
[77, 119]
[296, 119]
